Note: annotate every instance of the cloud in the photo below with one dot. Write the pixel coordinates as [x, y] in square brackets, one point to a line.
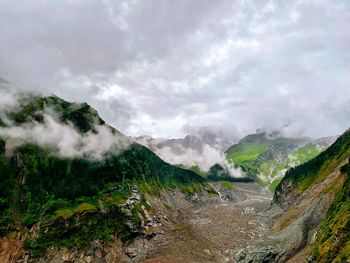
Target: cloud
[202, 149]
[153, 67]
[61, 138]
[189, 157]
[64, 140]
[8, 98]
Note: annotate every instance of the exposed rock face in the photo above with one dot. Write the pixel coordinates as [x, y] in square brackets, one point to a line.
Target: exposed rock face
[131, 252]
[263, 255]
[284, 195]
[148, 224]
[296, 219]
[282, 245]
[98, 253]
[204, 227]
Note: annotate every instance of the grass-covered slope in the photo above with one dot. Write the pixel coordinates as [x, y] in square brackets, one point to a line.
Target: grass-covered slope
[266, 157]
[332, 243]
[295, 158]
[71, 201]
[261, 157]
[303, 176]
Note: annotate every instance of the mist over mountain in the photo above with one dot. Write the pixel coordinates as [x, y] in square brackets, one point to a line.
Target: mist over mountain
[70, 184]
[68, 130]
[201, 150]
[59, 161]
[197, 131]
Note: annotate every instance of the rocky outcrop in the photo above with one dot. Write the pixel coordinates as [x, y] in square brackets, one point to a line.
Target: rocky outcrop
[266, 254]
[282, 245]
[96, 253]
[296, 217]
[285, 196]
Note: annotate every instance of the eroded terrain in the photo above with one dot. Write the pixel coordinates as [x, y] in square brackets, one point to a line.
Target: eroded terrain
[206, 228]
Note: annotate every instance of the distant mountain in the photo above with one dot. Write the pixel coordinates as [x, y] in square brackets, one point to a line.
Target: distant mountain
[266, 156]
[199, 151]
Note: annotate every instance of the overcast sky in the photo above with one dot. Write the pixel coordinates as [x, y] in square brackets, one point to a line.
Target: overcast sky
[164, 67]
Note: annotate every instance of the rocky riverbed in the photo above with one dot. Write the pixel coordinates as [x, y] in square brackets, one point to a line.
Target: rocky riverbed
[206, 227]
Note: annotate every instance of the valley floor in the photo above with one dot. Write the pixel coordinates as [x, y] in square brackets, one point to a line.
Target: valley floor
[209, 228]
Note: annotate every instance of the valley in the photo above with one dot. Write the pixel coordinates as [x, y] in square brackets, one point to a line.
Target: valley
[212, 228]
[104, 198]
[175, 131]
[203, 228]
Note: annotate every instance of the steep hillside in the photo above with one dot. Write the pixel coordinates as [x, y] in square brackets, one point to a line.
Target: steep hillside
[330, 169]
[332, 242]
[55, 191]
[267, 156]
[310, 212]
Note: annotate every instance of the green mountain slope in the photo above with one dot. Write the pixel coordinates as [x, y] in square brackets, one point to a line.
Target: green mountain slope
[310, 212]
[303, 176]
[262, 157]
[70, 201]
[266, 157]
[332, 242]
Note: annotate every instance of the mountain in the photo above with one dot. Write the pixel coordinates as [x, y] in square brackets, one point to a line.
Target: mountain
[310, 213]
[68, 179]
[74, 189]
[266, 156]
[198, 151]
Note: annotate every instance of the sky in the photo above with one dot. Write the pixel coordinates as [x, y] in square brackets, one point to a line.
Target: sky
[166, 68]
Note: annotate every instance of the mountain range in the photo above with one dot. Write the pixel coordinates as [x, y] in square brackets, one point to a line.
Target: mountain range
[75, 189]
[199, 151]
[264, 156]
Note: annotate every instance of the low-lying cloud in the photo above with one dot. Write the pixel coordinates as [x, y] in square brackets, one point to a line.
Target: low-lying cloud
[61, 138]
[64, 140]
[204, 160]
[202, 149]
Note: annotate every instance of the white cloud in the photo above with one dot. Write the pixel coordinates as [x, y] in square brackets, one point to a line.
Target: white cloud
[64, 140]
[151, 67]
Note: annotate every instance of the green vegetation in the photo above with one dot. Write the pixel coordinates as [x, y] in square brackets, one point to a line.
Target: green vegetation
[194, 169]
[275, 182]
[198, 171]
[278, 169]
[259, 156]
[266, 159]
[247, 152]
[303, 176]
[66, 195]
[73, 201]
[304, 154]
[228, 185]
[332, 242]
[81, 115]
[168, 206]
